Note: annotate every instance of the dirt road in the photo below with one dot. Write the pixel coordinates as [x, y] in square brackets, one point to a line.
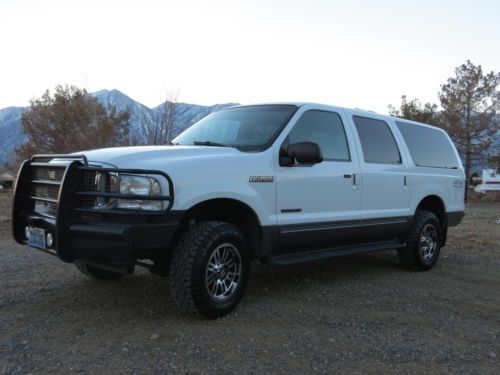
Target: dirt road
[363, 314]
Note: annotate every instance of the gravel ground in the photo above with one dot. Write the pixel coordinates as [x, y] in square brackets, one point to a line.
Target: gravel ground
[362, 314]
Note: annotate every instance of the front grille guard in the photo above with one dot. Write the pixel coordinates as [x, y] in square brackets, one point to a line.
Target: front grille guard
[103, 194]
[69, 197]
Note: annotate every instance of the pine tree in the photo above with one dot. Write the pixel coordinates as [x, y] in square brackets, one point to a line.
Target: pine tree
[415, 111]
[471, 105]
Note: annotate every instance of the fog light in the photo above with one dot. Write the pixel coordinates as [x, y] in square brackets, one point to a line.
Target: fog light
[27, 233]
[50, 240]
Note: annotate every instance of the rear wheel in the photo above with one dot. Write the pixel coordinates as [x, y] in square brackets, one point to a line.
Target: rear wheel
[423, 242]
[96, 272]
[209, 269]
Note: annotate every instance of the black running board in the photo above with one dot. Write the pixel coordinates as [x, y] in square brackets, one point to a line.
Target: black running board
[314, 255]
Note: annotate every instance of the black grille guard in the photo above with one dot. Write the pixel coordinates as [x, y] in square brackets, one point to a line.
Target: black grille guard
[69, 198]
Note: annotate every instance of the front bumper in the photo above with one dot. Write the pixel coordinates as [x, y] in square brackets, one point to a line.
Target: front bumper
[81, 231]
[108, 241]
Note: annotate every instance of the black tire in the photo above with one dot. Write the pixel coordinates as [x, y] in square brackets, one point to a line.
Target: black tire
[418, 254]
[189, 269]
[95, 272]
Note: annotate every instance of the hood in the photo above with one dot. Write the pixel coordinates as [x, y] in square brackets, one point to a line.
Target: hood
[147, 156]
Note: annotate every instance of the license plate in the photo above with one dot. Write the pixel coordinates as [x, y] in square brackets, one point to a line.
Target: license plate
[36, 237]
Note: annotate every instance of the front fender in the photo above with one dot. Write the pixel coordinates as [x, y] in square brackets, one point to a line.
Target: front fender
[192, 189]
[225, 176]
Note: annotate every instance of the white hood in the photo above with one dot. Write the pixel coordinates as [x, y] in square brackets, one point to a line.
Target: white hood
[145, 157]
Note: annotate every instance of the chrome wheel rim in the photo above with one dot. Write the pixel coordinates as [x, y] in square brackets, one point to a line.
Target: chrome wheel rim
[428, 242]
[223, 272]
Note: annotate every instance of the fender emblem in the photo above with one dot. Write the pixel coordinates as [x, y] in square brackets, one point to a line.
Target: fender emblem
[261, 179]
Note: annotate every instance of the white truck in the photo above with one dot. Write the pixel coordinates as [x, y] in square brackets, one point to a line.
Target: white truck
[280, 183]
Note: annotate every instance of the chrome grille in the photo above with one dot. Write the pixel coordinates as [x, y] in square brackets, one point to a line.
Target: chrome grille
[45, 186]
[47, 173]
[45, 191]
[47, 209]
[38, 189]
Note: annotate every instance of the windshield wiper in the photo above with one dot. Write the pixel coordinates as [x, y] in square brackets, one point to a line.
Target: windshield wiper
[209, 143]
[170, 143]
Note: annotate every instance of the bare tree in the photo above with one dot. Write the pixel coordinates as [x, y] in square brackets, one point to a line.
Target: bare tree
[156, 126]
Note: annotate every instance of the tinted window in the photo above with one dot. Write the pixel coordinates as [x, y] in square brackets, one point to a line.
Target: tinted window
[428, 147]
[377, 141]
[324, 129]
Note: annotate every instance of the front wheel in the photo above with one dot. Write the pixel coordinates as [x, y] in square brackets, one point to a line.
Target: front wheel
[209, 270]
[423, 242]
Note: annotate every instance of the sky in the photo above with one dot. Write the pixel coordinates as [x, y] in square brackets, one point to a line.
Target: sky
[357, 54]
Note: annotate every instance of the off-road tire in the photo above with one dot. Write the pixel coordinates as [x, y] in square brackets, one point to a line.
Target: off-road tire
[189, 264]
[410, 256]
[95, 272]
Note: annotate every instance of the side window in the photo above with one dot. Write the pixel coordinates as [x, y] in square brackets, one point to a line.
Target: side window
[326, 130]
[377, 141]
[428, 147]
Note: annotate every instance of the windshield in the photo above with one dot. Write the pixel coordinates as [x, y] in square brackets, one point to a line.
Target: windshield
[246, 128]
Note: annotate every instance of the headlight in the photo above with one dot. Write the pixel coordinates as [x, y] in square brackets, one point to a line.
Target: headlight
[139, 185]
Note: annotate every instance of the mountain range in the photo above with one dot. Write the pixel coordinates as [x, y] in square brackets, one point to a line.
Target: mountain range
[11, 134]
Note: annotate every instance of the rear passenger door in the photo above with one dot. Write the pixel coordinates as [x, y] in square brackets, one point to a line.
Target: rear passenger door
[385, 190]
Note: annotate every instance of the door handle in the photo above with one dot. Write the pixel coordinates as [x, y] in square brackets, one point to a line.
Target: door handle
[354, 177]
[355, 181]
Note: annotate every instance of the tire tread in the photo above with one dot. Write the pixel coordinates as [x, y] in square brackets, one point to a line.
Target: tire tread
[409, 256]
[190, 250]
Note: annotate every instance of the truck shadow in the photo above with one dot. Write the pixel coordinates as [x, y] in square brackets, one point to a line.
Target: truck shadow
[146, 298]
[324, 274]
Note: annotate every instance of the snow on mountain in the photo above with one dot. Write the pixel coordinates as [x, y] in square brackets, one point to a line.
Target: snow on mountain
[185, 115]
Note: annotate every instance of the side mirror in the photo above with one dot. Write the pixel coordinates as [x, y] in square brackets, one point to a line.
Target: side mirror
[303, 153]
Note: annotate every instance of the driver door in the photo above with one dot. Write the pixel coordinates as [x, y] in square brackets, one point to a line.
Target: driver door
[319, 205]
